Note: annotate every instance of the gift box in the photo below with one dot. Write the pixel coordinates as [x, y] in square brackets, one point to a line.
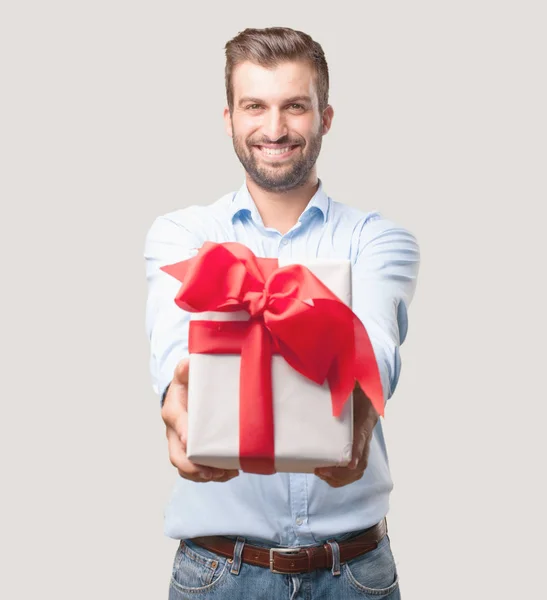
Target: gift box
[273, 367]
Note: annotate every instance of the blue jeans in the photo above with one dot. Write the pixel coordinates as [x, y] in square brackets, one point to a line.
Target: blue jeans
[198, 573]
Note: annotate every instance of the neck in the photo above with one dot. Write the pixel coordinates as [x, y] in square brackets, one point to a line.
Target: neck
[280, 210]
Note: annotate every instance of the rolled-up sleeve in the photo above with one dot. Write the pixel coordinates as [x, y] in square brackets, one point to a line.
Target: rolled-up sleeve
[167, 242]
[385, 274]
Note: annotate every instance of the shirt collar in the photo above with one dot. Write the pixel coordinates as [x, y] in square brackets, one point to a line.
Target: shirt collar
[243, 201]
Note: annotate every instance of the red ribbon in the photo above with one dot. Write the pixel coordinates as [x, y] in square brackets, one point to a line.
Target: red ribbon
[292, 313]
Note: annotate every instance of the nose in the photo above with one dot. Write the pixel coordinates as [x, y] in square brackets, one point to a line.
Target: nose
[274, 126]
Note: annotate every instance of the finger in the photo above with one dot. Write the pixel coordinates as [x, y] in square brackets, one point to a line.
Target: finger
[223, 474]
[180, 461]
[337, 483]
[227, 472]
[333, 474]
[226, 477]
[323, 472]
[191, 470]
[338, 473]
[340, 479]
[209, 474]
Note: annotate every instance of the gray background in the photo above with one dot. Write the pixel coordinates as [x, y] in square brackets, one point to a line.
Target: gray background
[111, 114]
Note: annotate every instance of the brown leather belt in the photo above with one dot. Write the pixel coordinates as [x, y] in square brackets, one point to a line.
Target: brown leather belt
[296, 560]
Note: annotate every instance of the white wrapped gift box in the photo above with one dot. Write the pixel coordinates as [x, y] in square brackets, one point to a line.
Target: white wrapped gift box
[306, 433]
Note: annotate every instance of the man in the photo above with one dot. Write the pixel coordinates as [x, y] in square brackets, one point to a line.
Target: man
[288, 535]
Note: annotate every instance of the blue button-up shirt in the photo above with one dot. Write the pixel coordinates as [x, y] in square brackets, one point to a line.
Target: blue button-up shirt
[286, 508]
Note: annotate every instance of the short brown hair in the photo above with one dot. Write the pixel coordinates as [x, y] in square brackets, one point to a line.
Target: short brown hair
[269, 47]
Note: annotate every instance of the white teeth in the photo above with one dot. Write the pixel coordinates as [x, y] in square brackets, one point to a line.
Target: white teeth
[275, 150]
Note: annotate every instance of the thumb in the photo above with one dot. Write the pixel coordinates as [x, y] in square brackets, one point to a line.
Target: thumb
[180, 376]
[359, 445]
[181, 428]
[177, 391]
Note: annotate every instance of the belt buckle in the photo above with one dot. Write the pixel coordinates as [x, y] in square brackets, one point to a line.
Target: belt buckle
[281, 551]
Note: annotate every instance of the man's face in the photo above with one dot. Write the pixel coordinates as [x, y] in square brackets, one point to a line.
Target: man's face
[276, 126]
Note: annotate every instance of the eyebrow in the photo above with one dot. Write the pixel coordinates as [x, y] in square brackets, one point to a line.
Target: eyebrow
[246, 99]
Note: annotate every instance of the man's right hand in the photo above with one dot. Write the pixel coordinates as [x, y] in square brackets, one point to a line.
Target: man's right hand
[175, 416]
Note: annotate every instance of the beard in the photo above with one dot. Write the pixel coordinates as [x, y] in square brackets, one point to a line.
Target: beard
[282, 176]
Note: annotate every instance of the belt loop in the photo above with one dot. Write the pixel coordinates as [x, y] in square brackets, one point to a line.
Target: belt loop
[335, 548]
[178, 556]
[238, 551]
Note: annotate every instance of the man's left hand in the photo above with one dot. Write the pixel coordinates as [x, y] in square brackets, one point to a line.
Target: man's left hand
[365, 418]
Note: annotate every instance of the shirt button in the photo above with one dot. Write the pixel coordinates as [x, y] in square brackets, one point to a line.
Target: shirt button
[283, 242]
[299, 521]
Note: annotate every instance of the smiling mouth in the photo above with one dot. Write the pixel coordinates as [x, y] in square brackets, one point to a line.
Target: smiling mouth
[278, 152]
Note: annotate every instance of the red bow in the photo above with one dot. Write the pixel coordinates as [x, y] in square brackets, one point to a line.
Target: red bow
[292, 313]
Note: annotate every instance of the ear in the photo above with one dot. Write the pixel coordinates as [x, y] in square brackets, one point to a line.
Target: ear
[326, 118]
[228, 122]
